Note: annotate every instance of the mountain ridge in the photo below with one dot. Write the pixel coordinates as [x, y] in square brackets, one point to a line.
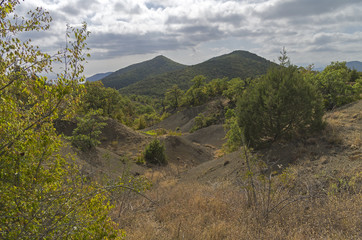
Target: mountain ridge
[238, 63]
[355, 65]
[98, 76]
[139, 71]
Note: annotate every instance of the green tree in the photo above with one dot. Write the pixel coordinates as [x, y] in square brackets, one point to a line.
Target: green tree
[112, 103]
[196, 95]
[235, 88]
[216, 87]
[234, 133]
[279, 104]
[173, 97]
[43, 194]
[333, 83]
[87, 133]
[155, 153]
[284, 60]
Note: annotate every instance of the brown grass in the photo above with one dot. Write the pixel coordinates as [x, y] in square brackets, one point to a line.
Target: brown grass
[220, 211]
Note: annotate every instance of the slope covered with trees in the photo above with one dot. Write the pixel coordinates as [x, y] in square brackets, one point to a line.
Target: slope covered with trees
[140, 71]
[241, 64]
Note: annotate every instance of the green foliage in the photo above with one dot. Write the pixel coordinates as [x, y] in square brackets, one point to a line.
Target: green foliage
[241, 64]
[138, 72]
[234, 134]
[43, 195]
[202, 121]
[155, 153]
[173, 97]
[279, 104]
[234, 89]
[134, 111]
[109, 100]
[334, 84]
[196, 95]
[87, 133]
[156, 132]
[216, 87]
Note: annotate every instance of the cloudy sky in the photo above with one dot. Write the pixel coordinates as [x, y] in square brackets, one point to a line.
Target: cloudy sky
[124, 32]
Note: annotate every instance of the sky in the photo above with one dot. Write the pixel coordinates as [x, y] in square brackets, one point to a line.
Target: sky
[124, 32]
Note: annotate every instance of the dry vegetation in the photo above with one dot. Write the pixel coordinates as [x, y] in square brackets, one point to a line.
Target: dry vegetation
[220, 211]
[315, 193]
[321, 198]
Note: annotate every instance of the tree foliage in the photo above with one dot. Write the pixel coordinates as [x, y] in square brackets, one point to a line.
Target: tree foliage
[334, 84]
[43, 195]
[279, 104]
[87, 133]
[155, 153]
[173, 97]
[134, 111]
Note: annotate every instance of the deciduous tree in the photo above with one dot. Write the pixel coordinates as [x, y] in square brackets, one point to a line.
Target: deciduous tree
[42, 193]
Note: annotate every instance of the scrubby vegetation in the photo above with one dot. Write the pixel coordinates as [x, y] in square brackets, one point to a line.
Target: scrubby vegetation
[87, 133]
[280, 104]
[44, 195]
[155, 153]
[286, 172]
[338, 84]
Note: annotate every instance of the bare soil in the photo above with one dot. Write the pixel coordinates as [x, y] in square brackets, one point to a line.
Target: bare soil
[198, 196]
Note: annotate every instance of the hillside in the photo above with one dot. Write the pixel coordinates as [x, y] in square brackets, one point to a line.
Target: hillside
[140, 71]
[241, 64]
[355, 65]
[201, 194]
[98, 76]
[208, 201]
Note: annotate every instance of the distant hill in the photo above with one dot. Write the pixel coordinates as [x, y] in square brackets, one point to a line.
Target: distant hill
[355, 65]
[241, 64]
[140, 71]
[98, 76]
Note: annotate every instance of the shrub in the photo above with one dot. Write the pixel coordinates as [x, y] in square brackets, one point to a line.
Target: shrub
[333, 83]
[202, 121]
[155, 153]
[86, 135]
[281, 103]
[234, 134]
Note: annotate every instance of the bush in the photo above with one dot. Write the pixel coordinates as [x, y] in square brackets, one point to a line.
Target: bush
[281, 103]
[202, 121]
[155, 153]
[334, 84]
[86, 135]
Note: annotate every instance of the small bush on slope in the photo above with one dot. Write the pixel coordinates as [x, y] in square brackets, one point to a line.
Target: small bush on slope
[155, 153]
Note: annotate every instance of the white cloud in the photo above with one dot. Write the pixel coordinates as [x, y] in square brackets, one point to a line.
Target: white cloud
[135, 27]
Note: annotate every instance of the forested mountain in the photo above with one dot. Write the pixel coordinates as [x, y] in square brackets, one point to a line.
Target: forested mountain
[140, 71]
[355, 65]
[98, 76]
[241, 64]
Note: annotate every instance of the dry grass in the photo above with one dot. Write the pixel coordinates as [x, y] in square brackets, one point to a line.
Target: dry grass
[220, 211]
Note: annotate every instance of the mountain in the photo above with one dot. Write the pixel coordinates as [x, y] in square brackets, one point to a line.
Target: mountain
[241, 64]
[98, 76]
[140, 71]
[355, 65]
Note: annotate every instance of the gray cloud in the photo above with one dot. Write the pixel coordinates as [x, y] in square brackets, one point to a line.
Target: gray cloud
[118, 44]
[151, 5]
[305, 8]
[70, 9]
[130, 27]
